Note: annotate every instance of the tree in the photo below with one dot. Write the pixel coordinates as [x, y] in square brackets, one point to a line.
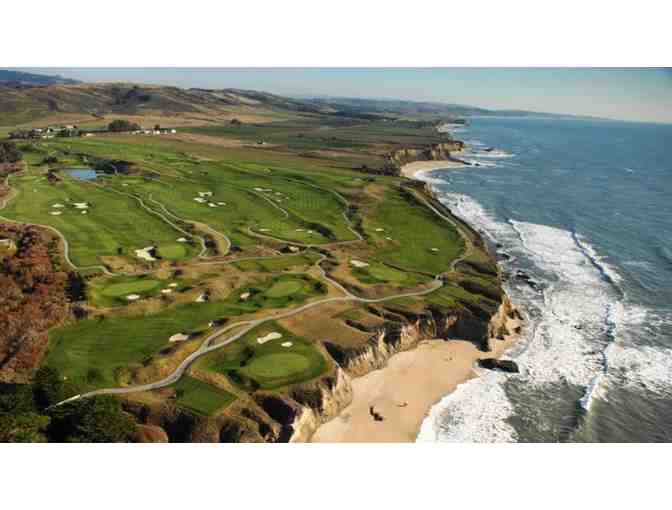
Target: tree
[121, 125]
[9, 153]
[157, 127]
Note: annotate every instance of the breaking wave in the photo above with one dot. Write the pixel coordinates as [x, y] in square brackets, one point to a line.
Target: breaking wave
[575, 320]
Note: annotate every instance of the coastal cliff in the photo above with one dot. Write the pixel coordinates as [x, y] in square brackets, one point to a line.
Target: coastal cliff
[296, 415]
[433, 152]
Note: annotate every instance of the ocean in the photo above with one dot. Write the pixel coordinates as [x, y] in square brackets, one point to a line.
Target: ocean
[580, 214]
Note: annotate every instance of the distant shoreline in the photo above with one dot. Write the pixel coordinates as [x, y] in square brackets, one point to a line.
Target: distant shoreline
[411, 170]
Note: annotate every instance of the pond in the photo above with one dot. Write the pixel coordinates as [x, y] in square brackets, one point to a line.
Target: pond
[86, 174]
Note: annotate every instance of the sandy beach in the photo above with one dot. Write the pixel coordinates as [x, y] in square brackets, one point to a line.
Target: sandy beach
[410, 169]
[403, 392]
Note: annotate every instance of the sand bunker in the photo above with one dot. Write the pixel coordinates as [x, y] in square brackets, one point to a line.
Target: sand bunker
[389, 238]
[172, 285]
[133, 297]
[166, 291]
[271, 336]
[212, 205]
[380, 229]
[178, 337]
[84, 212]
[205, 193]
[358, 263]
[264, 230]
[244, 295]
[221, 203]
[81, 205]
[55, 213]
[182, 240]
[286, 344]
[294, 249]
[202, 298]
[58, 206]
[145, 254]
[435, 249]
[200, 200]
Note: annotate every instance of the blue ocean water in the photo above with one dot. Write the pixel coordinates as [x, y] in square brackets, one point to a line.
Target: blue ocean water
[584, 209]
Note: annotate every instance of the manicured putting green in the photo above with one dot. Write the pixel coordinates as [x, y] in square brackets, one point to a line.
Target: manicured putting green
[387, 274]
[278, 365]
[122, 289]
[284, 288]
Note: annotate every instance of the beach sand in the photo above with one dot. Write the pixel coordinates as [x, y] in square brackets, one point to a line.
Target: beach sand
[410, 169]
[404, 391]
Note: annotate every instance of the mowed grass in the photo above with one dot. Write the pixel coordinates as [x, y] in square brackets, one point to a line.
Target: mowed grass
[201, 397]
[423, 242]
[251, 365]
[113, 225]
[377, 272]
[91, 351]
[277, 264]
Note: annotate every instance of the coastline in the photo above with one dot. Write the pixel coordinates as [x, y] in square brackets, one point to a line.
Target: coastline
[411, 170]
[404, 391]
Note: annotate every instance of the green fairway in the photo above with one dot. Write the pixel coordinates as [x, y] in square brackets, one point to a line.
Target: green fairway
[254, 362]
[136, 286]
[92, 350]
[284, 288]
[422, 241]
[201, 397]
[95, 222]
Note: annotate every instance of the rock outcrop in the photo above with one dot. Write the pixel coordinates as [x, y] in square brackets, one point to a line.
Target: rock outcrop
[434, 152]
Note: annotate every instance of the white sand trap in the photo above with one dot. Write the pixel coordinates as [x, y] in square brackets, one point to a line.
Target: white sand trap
[182, 240]
[244, 295]
[310, 232]
[435, 250]
[271, 336]
[166, 291]
[212, 205]
[81, 205]
[84, 212]
[300, 230]
[172, 285]
[221, 203]
[358, 263]
[56, 213]
[202, 298]
[200, 200]
[278, 193]
[124, 184]
[389, 239]
[144, 254]
[178, 337]
[294, 249]
[58, 206]
[262, 189]
[133, 297]
[205, 193]
[380, 229]
[264, 230]
[286, 344]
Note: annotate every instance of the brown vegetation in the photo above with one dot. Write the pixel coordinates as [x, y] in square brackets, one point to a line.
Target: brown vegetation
[32, 300]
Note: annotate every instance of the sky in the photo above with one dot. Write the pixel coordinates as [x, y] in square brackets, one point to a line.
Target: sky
[627, 94]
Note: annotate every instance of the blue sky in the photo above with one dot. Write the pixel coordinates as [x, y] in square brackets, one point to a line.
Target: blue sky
[629, 94]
